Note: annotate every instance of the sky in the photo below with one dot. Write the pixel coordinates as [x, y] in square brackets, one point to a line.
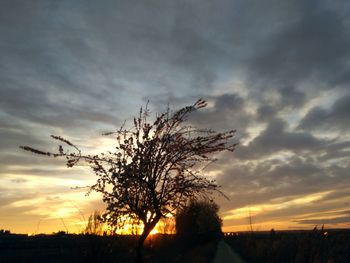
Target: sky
[276, 71]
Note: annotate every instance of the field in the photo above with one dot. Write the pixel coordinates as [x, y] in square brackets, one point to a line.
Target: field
[287, 246]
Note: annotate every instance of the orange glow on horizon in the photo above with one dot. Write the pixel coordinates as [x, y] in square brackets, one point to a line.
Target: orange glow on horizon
[154, 231]
[52, 214]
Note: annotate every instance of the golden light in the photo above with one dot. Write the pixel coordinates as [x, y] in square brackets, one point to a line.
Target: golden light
[154, 231]
[243, 212]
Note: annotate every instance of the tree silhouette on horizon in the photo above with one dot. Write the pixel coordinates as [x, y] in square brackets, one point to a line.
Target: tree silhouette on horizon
[154, 169]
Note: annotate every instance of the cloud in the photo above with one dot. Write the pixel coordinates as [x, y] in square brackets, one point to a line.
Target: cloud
[228, 112]
[335, 118]
[323, 221]
[76, 68]
[275, 138]
[312, 44]
[15, 138]
[277, 180]
[10, 196]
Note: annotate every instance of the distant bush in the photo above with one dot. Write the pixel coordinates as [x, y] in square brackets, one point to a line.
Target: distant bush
[199, 221]
[4, 232]
[60, 233]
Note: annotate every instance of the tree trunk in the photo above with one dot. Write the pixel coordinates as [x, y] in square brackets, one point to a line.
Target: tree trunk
[139, 248]
[146, 230]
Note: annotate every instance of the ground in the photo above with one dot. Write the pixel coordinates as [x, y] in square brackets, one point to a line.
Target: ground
[290, 246]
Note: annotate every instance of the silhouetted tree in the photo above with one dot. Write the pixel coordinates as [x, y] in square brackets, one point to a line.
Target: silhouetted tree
[154, 168]
[198, 221]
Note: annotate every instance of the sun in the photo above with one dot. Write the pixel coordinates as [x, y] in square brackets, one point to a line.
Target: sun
[154, 231]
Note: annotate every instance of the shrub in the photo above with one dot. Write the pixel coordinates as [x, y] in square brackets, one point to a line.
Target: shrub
[198, 222]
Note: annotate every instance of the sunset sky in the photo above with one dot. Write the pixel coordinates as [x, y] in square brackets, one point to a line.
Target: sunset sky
[276, 71]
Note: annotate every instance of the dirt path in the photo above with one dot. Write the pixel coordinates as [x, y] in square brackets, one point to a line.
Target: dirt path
[225, 254]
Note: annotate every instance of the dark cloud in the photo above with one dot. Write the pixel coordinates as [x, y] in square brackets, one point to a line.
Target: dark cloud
[255, 183]
[335, 220]
[275, 138]
[336, 151]
[9, 196]
[311, 45]
[266, 113]
[227, 113]
[15, 138]
[337, 117]
[53, 198]
[340, 193]
[19, 180]
[55, 172]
